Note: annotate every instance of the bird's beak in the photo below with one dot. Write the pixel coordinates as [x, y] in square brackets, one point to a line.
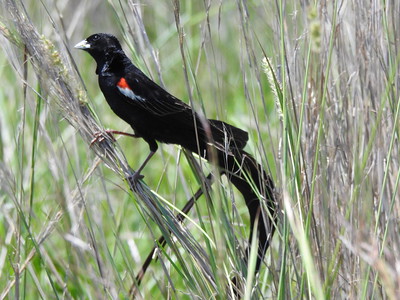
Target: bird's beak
[83, 45]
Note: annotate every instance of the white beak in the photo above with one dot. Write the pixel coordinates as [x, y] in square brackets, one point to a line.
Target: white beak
[82, 45]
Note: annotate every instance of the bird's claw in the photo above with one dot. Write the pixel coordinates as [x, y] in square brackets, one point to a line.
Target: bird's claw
[135, 177]
[99, 136]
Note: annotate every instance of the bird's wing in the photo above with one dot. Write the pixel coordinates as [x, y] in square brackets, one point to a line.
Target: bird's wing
[138, 89]
[143, 92]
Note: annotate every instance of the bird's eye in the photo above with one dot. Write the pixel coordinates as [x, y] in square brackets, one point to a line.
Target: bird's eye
[95, 37]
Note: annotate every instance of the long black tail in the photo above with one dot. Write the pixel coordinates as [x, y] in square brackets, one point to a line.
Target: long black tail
[248, 177]
[257, 189]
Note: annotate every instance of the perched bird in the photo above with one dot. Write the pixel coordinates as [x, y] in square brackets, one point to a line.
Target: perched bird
[157, 116]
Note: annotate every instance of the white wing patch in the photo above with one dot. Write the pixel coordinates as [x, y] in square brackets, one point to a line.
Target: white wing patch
[130, 94]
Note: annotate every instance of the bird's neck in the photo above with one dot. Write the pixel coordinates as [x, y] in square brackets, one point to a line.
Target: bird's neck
[111, 62]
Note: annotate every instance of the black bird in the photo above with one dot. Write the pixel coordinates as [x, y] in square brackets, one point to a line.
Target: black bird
[157, 116]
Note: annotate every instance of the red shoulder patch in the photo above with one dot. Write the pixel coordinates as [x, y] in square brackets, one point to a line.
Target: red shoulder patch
[123, 84]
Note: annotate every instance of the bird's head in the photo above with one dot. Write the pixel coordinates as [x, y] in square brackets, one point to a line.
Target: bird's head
[103, 47]
[99, 45]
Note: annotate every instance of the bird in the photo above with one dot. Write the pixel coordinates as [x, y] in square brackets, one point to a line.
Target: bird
[157, 116]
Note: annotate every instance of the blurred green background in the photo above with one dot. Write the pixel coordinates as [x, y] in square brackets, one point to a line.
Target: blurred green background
[322, 119]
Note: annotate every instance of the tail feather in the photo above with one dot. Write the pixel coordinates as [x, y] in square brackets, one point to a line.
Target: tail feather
[227, 136]
[256, 187]
[249, 178]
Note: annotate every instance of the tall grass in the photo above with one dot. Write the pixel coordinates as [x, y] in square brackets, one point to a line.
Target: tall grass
[316, 86]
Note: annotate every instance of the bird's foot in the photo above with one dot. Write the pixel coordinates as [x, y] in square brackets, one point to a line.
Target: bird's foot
[135, 177]
[100, 136]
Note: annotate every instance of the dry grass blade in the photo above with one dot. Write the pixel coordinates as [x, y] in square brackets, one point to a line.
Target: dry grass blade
[161, 241]
[59, 82]
[324, 120]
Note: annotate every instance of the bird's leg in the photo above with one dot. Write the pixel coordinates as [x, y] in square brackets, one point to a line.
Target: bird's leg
[161, 242]
[136, 176]
[99, 135]
[111, 132]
